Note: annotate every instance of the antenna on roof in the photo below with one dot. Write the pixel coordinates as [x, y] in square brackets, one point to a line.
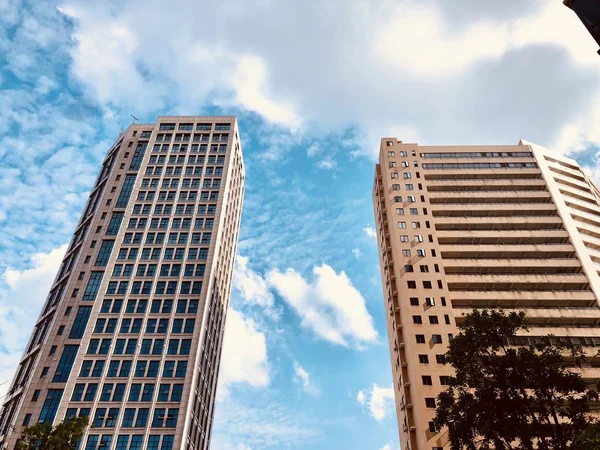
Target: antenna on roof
[135, 119]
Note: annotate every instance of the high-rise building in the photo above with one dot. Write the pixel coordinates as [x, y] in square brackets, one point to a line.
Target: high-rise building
[131, 332]
[513, 227]
[588, 12]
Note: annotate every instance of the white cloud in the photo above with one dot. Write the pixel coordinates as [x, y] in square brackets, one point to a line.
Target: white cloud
[443, 51]
[253, 287]
[22, 295]
[386, 447]
[370, 231]
[325, 157]
[244, 358]
[360, 397]
[380, 401]
[104, 65]
[454, 76]
[327, 163]
[440, 52]
[330, 306]
[228, 446]
[49, 143]
[357, 253]
[35, 282]
[302, 377]
[313, 150]
[266, 425]
[250, 84]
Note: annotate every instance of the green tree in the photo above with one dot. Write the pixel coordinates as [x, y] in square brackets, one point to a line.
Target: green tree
[507, 397]
[590, 438]
[43, 436]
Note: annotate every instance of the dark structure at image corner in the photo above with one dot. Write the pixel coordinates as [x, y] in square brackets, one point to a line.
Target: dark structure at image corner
[588, 12]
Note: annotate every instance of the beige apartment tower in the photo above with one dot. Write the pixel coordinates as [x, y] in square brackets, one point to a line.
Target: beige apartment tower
[515, 227]
[131, 332]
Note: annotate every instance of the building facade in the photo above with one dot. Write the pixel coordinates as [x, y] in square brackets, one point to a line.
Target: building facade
[588, 12]
[131, 332]
[513, 227]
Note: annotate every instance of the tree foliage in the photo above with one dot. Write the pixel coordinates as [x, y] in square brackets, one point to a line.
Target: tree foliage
[505, 397]
[43, 436]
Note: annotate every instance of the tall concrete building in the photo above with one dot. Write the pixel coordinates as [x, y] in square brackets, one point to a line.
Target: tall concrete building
[131, 332]
[514, 227]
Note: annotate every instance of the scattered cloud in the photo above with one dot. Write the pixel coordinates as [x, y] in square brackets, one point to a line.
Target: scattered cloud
[271, 425]
[313, 150]
[327, 163]
[22, 294]
[49, 143]
[386, 447]
[357, 253]
[250, 84]
[370, 231]
[444, 80]
[227, 446]
[324, 155]
[440, 53]
[330, 306]
[244, 358]
[302, 377]
[380, 401]
[361, 397]
[251, 285]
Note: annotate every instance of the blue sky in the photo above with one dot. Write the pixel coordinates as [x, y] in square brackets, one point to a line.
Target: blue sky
[315, 85]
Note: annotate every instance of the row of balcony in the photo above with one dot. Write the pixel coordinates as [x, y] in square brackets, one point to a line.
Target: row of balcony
[502, 237]
[499, 223]
[479, 185]
[518, 282]
[494, 210]
[546, 315]
[527, 299]
[503, 173]
[505, 196]
[514, 266]
[575, 204]
[493, 251]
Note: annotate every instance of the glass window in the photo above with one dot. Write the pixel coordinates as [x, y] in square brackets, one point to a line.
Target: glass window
[104, 253]
[98, 368]
[90, 392]
[148, 392]
[78, 392]
[167, 443]
[65, 364]
[81, 320]
[113, 368]
[115, 224]
[50, 406]
[126, 191]
[123, 439]
[159, 417]
[142, 418]
[136, 442]
[136, 161]
[181, 369]
[128, 416]
[92, 442]
[153, 442]
[152, 369]
[86, 368]
[91, 291]
[172, 417]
